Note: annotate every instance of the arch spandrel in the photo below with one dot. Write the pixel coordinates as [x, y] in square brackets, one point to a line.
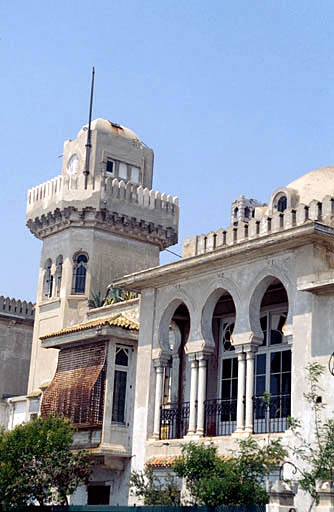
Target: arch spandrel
[214, 292]
[167, 308]
[259, 287]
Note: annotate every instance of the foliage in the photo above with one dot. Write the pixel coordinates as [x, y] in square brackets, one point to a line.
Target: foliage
[315, 457]
[154, 491]
[113, 296]
[237, 479]
[37, 465]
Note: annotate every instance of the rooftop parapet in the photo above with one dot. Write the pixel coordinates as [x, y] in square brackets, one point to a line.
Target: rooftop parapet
[261, 225]
[16, 308]
[115, 202]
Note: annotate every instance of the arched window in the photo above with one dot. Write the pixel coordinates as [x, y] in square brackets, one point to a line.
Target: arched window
[235, 213]
[247, 212]
[282, 204]
[79, 273]
[48, 279]
[59, 272]
[273, 364]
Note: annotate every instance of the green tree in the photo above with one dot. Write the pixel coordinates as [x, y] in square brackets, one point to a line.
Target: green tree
[315, 456]
[154, 490]
[37, 464]
[236, 479]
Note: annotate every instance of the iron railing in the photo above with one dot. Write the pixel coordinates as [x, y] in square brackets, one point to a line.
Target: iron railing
[220, 417]
[271, 414]
[174, 420]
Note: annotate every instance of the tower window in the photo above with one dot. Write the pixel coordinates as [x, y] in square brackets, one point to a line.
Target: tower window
[247, 212]
[123, 171]
[48, 279]
[79, 273]
[59, 272]
[282, 204]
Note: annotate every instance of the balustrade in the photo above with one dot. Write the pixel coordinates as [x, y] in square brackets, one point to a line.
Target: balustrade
[220, 417]
[174, 420]
[271, 414]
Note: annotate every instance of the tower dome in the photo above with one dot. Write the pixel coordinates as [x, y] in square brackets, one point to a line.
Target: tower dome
[314, 185]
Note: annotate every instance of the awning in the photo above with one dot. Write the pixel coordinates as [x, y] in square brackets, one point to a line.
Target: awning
[77, 389]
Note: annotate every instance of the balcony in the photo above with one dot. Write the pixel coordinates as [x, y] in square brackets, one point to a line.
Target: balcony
[174, 420]
[220, 417]
[270, 416]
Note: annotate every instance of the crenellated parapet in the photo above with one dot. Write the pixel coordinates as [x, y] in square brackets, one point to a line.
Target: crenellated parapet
[110, 204]
[16, 308]
[265, 222]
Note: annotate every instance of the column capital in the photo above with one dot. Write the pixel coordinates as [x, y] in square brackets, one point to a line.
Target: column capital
[193, 360]
[160, 363]
[250, 350]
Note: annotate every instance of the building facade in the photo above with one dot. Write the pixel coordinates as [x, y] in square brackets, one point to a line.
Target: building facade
[211, 348]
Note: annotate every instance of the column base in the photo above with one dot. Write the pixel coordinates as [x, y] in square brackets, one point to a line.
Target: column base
[241, 434]
[155, 437]
[200, 433]
[249, 430]
[191, 435]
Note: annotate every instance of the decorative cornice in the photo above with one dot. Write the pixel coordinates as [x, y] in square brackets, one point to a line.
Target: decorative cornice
[105, 220]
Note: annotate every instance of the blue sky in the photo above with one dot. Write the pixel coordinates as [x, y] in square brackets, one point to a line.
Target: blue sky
[235, 97]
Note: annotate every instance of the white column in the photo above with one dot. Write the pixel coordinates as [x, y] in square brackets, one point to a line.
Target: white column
[249, 389]
[193, 394]
[159, 369]
[202, 365]
[241, 392]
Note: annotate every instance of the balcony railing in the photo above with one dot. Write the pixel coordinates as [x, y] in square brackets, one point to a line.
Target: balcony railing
[174, 420]
[220, 417]
[271, 415]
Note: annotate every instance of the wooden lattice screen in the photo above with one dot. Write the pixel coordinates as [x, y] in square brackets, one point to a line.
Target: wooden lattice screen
[77, 389]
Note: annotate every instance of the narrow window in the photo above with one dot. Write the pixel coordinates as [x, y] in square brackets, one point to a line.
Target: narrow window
[120, 384]
[59, 273]
[48, 279]
[247, 212]
[123, 171]
[135, 175]
[110, 167]
[79, 274]
[282, 204]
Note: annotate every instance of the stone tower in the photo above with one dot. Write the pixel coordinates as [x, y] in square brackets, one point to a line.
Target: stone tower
[94, 234]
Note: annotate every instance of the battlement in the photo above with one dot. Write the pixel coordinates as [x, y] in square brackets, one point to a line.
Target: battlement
[261, 225]
[127, 202]
[16, 308]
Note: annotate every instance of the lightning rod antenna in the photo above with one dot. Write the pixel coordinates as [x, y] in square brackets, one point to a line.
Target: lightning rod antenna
[89, 133]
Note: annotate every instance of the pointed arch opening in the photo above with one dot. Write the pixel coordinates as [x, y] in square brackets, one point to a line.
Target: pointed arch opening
[272, 386]
[174, 333]
[221, 402]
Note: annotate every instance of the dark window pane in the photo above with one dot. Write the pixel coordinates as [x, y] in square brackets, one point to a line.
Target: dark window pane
[234, 388]
[110, 166]
[275, 362]
[263, 322]
[275, 337]
[235, 367]
[286, 383]
[82, 259]
[227, 366]
[275, 384]
[121, 357]
[260, 364]
[286, 361]
[226, 389]
[260, 385]
[118, 406]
